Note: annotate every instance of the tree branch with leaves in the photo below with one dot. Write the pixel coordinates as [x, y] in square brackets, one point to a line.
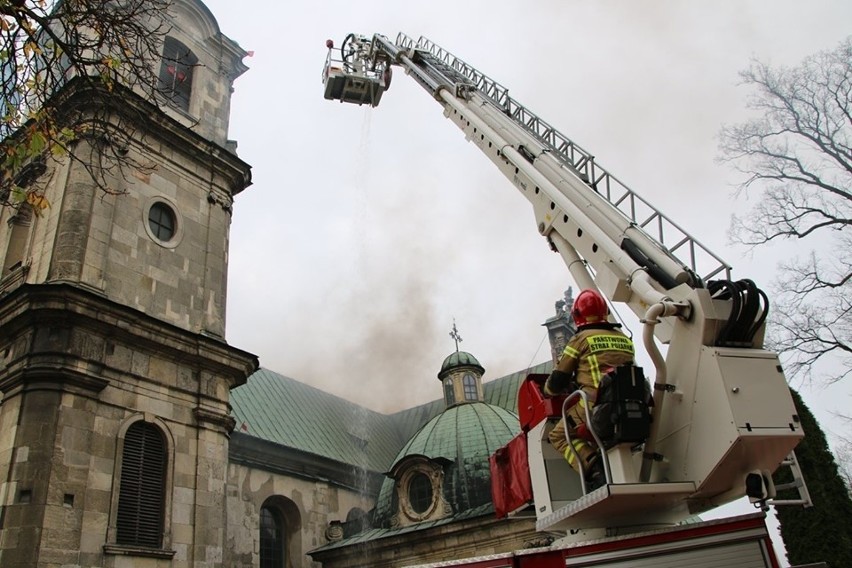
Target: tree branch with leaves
[44, 46]
[796, 158]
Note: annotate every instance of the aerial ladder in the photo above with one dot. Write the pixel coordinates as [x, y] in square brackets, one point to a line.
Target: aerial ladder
[723, 418]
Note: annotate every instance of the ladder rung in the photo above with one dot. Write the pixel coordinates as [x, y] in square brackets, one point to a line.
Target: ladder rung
[803, 502]
[795, 484]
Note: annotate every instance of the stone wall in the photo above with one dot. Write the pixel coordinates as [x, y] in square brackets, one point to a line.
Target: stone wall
[105, 243]
[76, 372]
[308, 505]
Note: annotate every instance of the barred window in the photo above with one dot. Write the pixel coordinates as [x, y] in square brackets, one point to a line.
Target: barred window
[141, 499]
[272, 532]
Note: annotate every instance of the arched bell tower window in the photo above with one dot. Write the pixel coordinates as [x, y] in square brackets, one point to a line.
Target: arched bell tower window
[19, 234]
[142, 489]
[21, 222]
[176, 72]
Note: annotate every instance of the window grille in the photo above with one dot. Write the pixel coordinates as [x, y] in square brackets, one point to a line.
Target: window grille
[271, 538]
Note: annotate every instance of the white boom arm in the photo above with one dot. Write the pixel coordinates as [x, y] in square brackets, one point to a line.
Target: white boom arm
[732, 413]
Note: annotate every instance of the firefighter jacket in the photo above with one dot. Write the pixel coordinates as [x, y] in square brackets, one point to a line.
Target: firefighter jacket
[590, 353]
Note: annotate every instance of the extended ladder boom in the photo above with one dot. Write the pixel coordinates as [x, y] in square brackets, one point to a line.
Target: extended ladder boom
[633, 212]
[588, 215]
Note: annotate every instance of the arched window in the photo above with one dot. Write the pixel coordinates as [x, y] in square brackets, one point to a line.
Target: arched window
[449, 393]
[176, 73]
[469, 383]
[21, 222]
[141, 499]
[272, 538]
[18, 236]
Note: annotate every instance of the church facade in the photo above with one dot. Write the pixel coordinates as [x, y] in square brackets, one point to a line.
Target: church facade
[132, 434]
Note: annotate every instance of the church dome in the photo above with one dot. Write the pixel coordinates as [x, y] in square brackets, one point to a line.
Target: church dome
[449, 455]
[457, 360]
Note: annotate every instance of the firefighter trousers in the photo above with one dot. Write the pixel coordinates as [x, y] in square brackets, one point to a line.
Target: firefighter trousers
[585, 449]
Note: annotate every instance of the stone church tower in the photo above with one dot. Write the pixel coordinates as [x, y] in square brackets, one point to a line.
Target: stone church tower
[114, 371]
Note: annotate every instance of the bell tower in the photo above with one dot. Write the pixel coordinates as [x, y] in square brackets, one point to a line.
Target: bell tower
[114, 370]
[560, 327]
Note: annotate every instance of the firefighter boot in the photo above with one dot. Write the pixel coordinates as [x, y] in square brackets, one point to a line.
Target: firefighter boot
[595, 476]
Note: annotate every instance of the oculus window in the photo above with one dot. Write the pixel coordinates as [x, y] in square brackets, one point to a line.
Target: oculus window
[162, 221]
[420, 492]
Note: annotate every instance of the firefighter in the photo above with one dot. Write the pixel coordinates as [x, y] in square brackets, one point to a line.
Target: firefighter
[596, 347]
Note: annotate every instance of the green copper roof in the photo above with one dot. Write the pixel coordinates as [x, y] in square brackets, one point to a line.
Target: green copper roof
[287, 412]
[459, 359]
[465, 430]
[282, 410]
[465, 435]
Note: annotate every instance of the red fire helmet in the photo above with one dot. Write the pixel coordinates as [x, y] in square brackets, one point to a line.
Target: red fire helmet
[589, 307]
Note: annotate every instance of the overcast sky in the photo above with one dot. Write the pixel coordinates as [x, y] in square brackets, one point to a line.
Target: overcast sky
[367, 231]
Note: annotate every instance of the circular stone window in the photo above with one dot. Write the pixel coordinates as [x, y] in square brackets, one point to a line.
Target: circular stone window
[162, 221]
[420, 493]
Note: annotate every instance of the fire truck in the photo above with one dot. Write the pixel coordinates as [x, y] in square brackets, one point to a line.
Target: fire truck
[720, 419]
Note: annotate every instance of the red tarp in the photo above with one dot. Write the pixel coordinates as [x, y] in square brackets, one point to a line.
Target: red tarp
[511, 487]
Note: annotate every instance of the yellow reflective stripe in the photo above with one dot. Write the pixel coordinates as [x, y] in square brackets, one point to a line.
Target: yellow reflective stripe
[598, 343]
[569, 455]
[582, 404]
[571, 352]
[595, 370]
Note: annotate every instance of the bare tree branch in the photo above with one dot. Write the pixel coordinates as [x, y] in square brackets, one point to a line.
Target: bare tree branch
[44, 46]
[796, 156]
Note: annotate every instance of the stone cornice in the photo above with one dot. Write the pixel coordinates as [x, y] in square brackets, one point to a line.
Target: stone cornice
[418, 546]
[65, 305]
[81, 95]
[125, 550]
[218, 421]
[268, 456]
[57, 374]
